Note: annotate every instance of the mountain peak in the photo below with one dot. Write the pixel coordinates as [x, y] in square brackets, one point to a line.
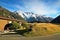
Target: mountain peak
[56, 20]
[32, 17]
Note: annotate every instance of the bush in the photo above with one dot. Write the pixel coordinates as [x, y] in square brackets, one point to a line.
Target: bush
[25, 25]
[16, 25]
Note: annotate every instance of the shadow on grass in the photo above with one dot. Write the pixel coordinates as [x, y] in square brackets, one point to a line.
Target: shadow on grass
[21, 32]
[9, 34]
[18, 32]
[56, 23]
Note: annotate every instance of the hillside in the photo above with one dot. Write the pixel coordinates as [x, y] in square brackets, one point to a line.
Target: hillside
[43, 29]
[56, 20]
[6, 13]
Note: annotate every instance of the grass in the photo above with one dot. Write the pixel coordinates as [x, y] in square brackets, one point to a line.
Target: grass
[43, 29]
[40, 29]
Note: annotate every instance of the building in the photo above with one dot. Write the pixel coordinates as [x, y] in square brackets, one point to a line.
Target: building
[4, 21]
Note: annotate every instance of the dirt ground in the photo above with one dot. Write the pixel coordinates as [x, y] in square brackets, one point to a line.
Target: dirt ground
[19, 37]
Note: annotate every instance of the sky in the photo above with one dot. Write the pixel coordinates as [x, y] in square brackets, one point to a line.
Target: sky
[41, 7]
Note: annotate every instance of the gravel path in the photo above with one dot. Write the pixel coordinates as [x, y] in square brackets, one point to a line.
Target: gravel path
[19, 37]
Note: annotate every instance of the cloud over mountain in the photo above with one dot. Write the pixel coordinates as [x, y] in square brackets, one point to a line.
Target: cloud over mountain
[41, 7]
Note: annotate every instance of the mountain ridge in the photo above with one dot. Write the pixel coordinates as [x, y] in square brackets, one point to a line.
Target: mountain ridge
[8, 14]
[26, 16]
[31, 17]
[56, 20]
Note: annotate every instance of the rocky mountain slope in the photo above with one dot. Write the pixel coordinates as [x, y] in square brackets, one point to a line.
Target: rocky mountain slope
[6, 13]
[31, 17]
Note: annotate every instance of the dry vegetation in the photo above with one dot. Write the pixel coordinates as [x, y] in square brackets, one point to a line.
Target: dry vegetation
[44, 29]
[38, 29]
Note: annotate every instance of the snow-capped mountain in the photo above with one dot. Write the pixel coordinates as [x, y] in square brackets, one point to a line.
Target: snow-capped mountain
[31, 17]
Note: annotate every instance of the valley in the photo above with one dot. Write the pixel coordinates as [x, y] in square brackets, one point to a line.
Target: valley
[29, 19]
[31, 26]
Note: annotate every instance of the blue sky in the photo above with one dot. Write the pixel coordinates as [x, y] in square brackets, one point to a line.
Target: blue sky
[42, 7]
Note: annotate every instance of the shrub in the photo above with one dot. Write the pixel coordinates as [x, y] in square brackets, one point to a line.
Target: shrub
[16, 25]
[25, 25]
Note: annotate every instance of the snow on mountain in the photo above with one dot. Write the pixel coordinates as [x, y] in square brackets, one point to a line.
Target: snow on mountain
[31, 17]
[20, 13]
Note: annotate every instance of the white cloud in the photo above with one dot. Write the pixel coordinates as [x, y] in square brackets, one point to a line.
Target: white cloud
[41, 8]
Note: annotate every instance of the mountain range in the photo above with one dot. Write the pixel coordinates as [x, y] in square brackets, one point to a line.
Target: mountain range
[26, 16]
[31, 17]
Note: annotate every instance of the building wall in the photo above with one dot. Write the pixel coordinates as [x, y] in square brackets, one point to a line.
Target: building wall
[2, 24]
